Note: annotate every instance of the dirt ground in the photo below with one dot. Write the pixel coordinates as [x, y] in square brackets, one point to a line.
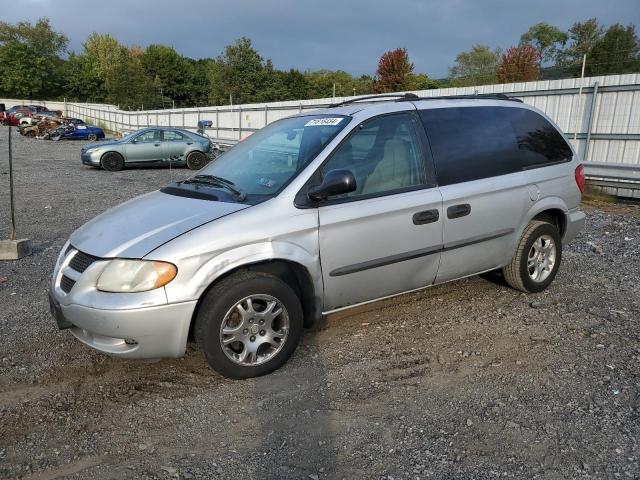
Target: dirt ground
[467, 380]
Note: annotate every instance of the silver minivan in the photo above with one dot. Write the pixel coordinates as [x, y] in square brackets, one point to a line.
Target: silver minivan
[320, 212]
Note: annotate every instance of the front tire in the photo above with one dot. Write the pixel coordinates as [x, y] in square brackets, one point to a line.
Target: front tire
[249, 325]
[537, 258]
[112, 162]
[196, 160]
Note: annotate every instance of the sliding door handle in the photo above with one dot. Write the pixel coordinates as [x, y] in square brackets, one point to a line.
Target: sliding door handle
[426, 216]
[457, 211]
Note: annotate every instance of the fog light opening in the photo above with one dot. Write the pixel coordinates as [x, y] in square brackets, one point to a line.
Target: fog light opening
[130, 341]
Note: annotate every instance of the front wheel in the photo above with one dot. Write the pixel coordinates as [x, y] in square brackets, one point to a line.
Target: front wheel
[249, 325]
[112, 162]
[196, 160]
[537, 258]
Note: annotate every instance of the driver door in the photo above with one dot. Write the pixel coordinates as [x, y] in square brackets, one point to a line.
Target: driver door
[385, 237]
[146, 147]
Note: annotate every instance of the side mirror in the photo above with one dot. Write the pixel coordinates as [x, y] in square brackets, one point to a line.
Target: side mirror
[336, 182]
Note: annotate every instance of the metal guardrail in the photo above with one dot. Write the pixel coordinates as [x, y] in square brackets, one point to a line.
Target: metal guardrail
[613, 175]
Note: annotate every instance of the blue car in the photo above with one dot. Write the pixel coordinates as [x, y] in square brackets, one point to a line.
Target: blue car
[77, 132]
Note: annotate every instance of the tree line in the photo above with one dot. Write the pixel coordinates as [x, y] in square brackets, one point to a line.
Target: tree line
[36, 63]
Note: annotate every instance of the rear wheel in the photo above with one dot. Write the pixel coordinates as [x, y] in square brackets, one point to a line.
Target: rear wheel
[537, 258]
[93, 137]
[196, 160]
[112, 162]
[249, 325]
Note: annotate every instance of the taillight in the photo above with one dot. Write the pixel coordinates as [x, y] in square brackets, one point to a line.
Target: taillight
[580, 177]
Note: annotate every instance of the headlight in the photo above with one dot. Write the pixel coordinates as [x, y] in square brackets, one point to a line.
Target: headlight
[135, 275]
[91, 150]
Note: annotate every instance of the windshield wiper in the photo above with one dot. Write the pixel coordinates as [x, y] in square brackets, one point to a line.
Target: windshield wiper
[218, 182]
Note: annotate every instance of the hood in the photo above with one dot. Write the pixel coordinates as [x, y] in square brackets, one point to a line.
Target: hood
[135, 228]
[101, 144]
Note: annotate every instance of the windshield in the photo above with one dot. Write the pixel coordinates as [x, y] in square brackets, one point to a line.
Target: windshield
[265, 162]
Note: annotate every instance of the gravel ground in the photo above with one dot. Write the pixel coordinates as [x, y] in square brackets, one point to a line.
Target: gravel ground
[465, 380]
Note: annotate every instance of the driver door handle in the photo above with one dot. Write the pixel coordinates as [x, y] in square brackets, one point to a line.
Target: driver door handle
[156, 144]
[426, 216]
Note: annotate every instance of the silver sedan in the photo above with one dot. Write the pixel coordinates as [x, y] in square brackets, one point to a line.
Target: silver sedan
[149, 146]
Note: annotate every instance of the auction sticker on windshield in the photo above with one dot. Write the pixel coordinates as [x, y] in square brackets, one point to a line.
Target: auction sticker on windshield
[321, 122]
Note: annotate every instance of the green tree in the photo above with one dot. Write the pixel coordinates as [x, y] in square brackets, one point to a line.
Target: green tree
[475, 67]
[618, 51]
[198, 81]
[31, 61]
[108, 71]
[421, 81]
[549, 40]
[321, 83]
[583, 36]
[170, 71]
[81, 81]
[239, 72]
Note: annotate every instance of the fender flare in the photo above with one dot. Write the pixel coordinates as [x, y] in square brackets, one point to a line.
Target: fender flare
[547, 203]
[220, 265]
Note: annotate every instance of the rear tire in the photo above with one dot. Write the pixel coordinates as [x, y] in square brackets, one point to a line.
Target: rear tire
[92, 137]
[196, 160]
[249, 325]
[537, 258]
[112, 162]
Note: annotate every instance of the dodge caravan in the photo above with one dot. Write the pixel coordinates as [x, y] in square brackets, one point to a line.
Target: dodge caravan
[319, 212]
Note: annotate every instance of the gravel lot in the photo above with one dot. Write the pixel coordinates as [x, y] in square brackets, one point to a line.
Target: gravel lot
[464, 380]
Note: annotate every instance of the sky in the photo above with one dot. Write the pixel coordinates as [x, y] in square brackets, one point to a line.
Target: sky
[321, 34]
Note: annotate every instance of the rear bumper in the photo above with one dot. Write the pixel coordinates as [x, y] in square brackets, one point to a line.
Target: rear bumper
[153, 332]
[575, 222]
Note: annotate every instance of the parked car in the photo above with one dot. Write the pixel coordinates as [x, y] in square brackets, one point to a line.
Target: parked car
[149, 146]
[72, 131]
[14, 114]
[320, 212]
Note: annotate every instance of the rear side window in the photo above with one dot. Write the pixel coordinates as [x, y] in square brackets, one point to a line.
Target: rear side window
[173, 136]
[471, 143]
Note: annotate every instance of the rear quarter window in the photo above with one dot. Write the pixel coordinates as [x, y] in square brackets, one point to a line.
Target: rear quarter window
[539, 143]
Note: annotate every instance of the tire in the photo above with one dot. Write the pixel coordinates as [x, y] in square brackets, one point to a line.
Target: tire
[220, 307]
[92, 137]
[518, 274]
[112, 162]
[31, 133]
[196, 160]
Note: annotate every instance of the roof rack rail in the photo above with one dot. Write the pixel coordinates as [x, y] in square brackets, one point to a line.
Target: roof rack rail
[400, 97]
[488, 96]
[408, 97]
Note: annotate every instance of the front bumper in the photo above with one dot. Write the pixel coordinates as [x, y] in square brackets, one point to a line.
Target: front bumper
[129, 325]
[90, 159]
[575, 222]
[152, 332]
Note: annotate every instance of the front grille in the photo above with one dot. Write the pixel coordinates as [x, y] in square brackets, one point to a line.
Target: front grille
[81, 261]
[66, 284]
